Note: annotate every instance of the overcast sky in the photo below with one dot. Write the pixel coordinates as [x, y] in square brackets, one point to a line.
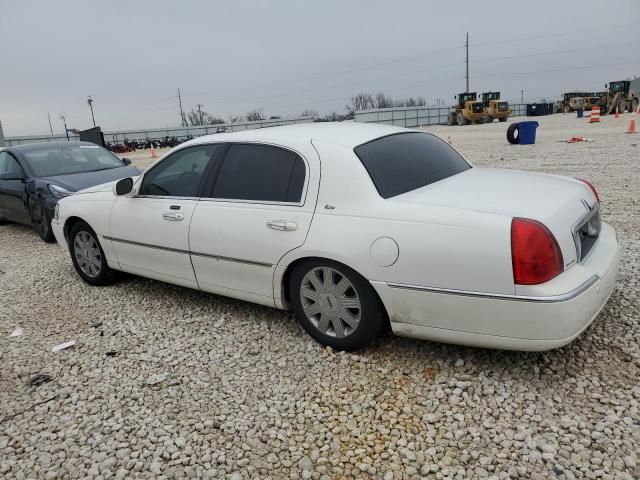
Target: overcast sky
[290, 55]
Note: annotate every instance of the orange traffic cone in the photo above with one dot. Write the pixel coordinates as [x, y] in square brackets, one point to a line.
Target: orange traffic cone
[153, 150]
[618, 112]
[595, 114]
[632, 123]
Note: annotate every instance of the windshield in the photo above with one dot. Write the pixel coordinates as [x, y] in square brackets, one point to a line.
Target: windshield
[403, 162]
[66, 160]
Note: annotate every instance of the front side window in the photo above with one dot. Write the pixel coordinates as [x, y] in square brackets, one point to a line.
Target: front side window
[179, 174]
[403, 162]
[260, 173]
[10, 166]
[70, 159]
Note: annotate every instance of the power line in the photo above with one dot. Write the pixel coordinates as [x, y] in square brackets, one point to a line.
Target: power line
[559, 34]
[331, 74]
[389, 62]
[556, 52]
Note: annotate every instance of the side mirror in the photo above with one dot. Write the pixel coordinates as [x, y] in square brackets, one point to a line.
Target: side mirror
[10, 176]
[123, 186]
[126, 161]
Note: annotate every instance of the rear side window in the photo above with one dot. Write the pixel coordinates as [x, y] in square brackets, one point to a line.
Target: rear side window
[260, 173]
[403, 162]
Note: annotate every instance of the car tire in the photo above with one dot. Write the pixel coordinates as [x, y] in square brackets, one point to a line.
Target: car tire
[41, 222]
[336, 305]
[511, 134]
[88, 257]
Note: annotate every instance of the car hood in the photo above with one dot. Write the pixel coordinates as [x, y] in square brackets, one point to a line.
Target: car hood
[81, 181]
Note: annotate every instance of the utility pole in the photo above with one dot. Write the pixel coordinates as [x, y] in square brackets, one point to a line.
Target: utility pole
[182, 119]
[521, 96]
[200, 114]
[467, 62]
[64, 120]
[90, 102]
[50, 127]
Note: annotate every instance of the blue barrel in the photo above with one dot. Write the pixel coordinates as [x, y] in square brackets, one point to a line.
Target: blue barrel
[579, 113]
[527, 132]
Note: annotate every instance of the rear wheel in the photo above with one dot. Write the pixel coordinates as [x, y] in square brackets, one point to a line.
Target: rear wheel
[634, 105]
[88, 257]
[335, 305]
[503, 119]
[567, 109]
[41, 222]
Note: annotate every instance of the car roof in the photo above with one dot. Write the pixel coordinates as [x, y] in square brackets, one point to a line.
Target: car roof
[349, 134]
[34, 147]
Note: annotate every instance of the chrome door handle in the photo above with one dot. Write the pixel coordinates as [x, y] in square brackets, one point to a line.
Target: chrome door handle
[173, 216]
[283, 225]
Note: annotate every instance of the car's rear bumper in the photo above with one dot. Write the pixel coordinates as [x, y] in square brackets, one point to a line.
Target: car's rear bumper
[541, 318]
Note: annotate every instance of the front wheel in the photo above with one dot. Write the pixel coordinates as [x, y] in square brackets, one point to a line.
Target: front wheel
[335, 305]
[41, 222]
[88, 257]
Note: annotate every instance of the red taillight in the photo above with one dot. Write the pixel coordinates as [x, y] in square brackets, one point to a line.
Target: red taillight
[535, 254]
[593, 189]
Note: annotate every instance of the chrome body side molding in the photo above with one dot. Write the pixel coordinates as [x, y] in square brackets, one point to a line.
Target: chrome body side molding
[563, 297]
[186, 252]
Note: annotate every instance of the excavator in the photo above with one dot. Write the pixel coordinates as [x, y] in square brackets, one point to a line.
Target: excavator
[495, 108]
[467, 110]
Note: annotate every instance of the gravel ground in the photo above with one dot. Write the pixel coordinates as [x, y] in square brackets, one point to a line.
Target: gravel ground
[169, 382]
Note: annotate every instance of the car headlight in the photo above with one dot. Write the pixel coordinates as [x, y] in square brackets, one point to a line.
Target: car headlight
[58, 191]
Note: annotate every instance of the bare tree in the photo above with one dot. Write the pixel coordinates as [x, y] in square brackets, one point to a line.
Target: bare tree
[411, 102]
[197, 117]
[236, 118]
[383, 101]
[309, 113]
[255, 115]
[361, 101]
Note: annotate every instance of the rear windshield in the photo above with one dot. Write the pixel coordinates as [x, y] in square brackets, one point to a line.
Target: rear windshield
[403, 162]
[67, 160]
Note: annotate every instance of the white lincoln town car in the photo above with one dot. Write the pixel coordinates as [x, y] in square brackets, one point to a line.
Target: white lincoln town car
[356, 227]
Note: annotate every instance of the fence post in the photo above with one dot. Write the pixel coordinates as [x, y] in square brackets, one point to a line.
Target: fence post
[2, 142]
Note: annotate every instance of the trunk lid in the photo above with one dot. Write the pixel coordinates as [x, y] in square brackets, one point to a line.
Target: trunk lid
[560, 203]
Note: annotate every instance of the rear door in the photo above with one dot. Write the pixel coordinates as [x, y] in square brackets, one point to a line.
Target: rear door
[260, 206]
[12, 190]
[150, 230]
